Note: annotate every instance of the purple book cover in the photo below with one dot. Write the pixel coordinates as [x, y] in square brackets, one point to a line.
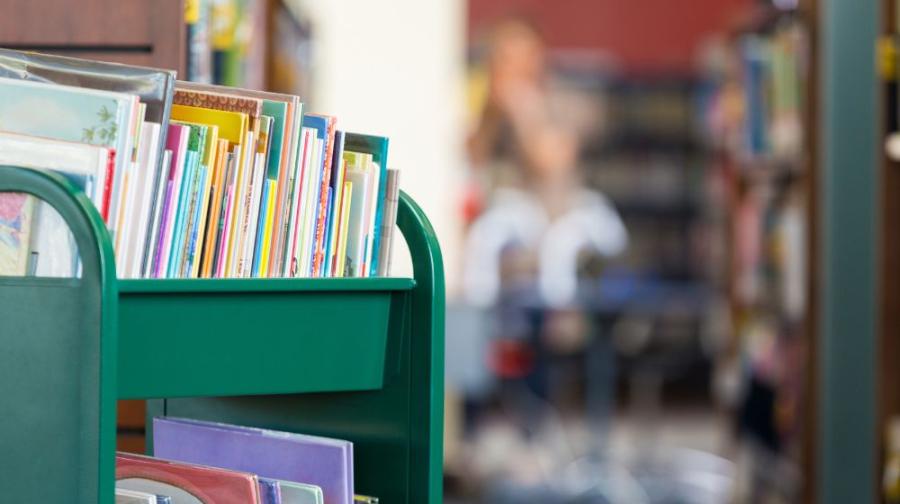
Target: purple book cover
[314, 460]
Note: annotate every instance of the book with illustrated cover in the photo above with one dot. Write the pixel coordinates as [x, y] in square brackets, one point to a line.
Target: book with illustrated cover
[185, 483]
[49, 249]
[16, 210]
[73, 114]
[153, 86]
[312, 460]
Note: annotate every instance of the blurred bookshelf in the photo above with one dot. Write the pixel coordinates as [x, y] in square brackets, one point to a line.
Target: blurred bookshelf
[760, 124]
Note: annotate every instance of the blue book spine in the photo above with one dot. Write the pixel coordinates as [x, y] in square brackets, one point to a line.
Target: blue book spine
[329, 217]
[260, 229]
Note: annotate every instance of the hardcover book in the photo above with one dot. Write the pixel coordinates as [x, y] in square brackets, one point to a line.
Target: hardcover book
[49, 247]
[153, 86]
[73, 114]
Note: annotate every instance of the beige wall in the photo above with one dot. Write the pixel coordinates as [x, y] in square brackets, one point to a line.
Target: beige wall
[395, 68]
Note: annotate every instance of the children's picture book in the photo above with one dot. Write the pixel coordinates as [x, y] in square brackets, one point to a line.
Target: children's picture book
[15, 230]
[154, 86]
[50, 249]
[73, 114]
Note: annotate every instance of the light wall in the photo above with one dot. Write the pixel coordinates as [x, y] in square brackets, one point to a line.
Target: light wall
[396, 68]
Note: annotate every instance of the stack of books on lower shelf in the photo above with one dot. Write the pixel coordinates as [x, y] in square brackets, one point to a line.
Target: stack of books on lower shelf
[200, 462]
[192, 180]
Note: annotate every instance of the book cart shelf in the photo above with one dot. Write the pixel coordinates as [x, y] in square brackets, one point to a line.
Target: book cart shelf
[359, 359]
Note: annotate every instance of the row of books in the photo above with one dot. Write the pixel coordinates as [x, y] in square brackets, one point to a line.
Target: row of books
[224, 41]
[758, 104]
[198, 462]
[193, 180]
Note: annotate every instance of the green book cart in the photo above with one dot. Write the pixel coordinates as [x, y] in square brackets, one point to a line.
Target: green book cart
[358, 358]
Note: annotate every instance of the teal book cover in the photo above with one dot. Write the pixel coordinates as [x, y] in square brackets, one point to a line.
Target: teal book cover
[378, 147]
[73, 114]
[278, 112]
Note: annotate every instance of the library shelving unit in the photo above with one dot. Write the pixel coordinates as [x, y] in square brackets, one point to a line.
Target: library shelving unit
[767, 161]
[358, 358]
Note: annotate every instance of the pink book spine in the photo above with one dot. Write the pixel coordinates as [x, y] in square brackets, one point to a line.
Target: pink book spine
[292, 257]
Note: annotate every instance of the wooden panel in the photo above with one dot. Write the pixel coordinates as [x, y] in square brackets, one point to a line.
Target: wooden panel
[138, 32]
[810, 450]
[888, 262]
[131, 415]
[131, 443]
[130, 58]
[169, 35]
[87, 22]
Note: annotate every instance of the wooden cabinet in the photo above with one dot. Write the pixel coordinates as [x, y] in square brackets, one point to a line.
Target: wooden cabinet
[140, 32]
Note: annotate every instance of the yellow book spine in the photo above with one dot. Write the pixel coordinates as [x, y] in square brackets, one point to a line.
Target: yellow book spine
[267, 233]
[345, 222]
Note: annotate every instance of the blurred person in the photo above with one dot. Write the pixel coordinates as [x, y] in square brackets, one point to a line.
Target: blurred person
[525, 151]
[532, 222]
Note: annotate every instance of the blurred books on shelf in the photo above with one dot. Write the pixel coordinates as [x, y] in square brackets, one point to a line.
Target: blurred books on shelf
[256, 44]
[754, 110]
[193, 180]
